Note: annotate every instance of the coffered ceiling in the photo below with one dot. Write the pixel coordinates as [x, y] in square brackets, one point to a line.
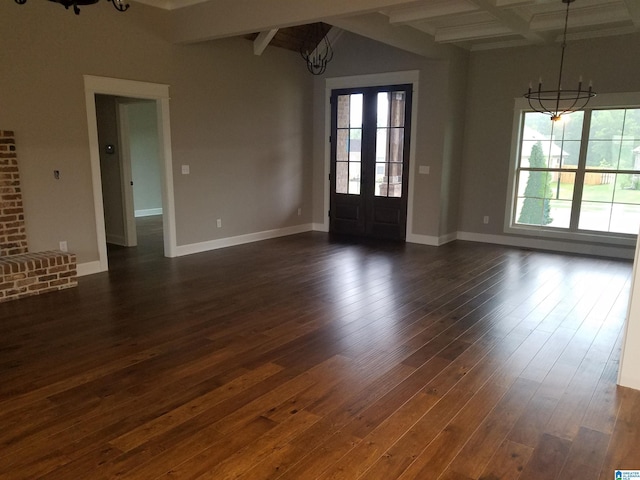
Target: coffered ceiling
[416, 26]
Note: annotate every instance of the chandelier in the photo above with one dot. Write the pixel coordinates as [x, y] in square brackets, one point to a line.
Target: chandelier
[316, 48]
[119, 5]
[556, 103]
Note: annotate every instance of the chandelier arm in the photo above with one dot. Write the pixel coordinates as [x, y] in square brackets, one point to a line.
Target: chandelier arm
[316, 50]
[556, 103]
[120, 5]
[329, 48]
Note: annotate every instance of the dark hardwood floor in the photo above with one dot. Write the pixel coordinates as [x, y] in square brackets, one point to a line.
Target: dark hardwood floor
[308, 357]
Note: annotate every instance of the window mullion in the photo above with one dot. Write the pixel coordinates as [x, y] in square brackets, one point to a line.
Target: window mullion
[580, 173]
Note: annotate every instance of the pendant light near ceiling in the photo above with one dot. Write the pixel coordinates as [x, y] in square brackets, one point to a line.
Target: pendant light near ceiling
[316, 48]
[119, 5]
[556, 103]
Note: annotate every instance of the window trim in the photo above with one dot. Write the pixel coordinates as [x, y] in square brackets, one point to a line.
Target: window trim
[521, 106]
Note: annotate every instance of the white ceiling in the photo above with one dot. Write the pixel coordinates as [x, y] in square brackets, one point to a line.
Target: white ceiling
[470, 24]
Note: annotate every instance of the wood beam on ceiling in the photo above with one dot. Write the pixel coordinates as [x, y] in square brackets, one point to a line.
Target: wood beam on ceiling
[262, 41]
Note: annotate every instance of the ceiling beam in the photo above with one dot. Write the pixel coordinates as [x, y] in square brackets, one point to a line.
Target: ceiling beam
[262, 41]
[471, 32]
[433, 10]
[226, 18]
[510, 19]
[377, 27]
[582, 17]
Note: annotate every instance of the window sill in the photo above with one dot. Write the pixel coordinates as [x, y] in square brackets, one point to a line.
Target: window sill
[602, 238]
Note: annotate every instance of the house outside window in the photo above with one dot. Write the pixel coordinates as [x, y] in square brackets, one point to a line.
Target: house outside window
[578, 178]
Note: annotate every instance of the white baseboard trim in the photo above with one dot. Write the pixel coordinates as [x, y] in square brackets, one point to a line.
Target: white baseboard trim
[554, 245]
[149, 212]
[431, 240]
[182, 250]
[629, 382]
[423, 239]
[116, 240]
[88, 268]
[319, 227]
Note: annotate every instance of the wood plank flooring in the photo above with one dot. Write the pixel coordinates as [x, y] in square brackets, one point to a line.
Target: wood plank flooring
[308, 357]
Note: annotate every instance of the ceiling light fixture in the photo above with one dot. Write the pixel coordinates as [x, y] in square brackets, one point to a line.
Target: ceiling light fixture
[119, 5]
[556, 103]
[316, 48]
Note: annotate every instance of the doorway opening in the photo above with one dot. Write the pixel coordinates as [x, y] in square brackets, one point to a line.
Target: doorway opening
[370, 140]
[130, 173]
[409, 77]
[154, 97]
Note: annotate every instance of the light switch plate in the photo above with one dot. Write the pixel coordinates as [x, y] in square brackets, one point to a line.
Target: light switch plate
[185, 169]
[423, 169]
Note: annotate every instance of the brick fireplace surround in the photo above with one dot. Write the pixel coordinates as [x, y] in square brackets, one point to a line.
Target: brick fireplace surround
[23, 273]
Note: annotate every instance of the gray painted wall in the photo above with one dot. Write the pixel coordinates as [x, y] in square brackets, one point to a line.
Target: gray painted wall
[496, 78]
[440, 126]
[252, 128]
[243, 123]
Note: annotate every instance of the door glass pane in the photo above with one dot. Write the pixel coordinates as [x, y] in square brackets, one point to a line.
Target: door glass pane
[354, 178]
[344, 102]
[383, 109]
[349, 143]
[342, 146]
[342, 177]
[382, 143]
[355, 145]
[398, 100]
[396, 150]
[390, 144]
[356, 111]
[388, 180]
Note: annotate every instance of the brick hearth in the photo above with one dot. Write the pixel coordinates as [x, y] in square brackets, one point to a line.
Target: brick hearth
[22, 273]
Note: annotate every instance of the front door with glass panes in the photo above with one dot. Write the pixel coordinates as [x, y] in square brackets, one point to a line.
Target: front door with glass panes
[370, 160]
